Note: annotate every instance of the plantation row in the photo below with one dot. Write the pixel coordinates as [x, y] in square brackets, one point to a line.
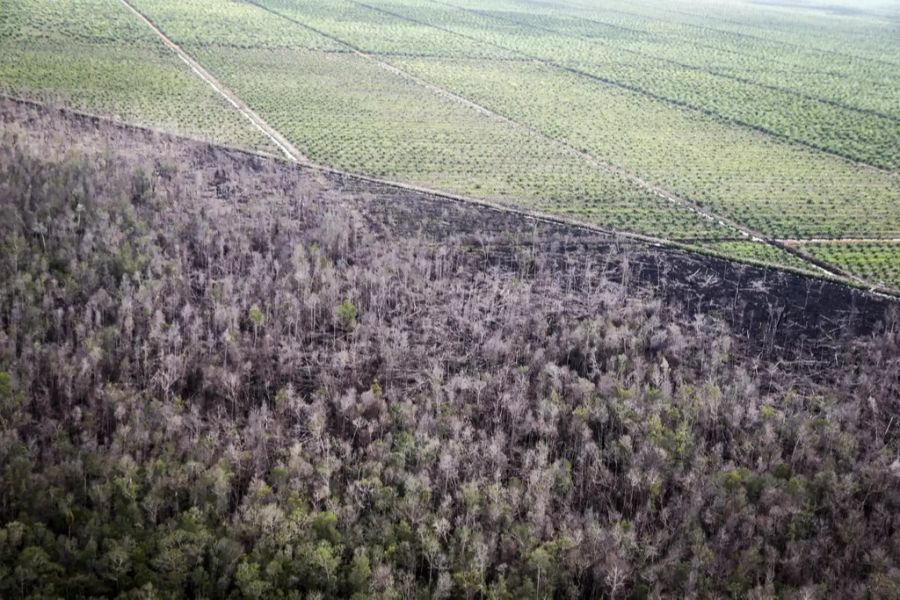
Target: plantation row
[271, 25]
[774, 187]
[864, 86]
[857, 36]
[875, 262]
[348, 112]
[93, 55]
[759, 252]
[865, 137]
[230, 24]
[636, 54]
[852, 81]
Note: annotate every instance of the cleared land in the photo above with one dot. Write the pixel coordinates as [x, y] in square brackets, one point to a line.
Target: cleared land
[595, 113]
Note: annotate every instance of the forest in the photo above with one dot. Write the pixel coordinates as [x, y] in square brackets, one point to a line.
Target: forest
[223, 376]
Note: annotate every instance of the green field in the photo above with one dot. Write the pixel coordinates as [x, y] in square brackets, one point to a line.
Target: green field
[781, 120]
[758, 252]
[873, 261]
[95, 56]
[703, 79]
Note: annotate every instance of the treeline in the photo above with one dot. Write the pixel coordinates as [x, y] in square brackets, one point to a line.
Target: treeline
[215, 388]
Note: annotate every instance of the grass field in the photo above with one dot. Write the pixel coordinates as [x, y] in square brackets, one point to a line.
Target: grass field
[780, 122]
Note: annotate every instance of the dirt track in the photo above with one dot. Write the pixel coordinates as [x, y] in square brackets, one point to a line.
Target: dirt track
[290, 151]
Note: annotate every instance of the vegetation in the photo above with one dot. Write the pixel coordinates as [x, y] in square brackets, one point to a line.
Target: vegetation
[93, 55]
[873, 261]
[224, 377]
[445, 145]
[770, 185]
[724, 84]
[759, 252]
[774, 187]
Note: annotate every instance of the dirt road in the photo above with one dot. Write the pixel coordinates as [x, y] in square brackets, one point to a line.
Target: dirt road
[289, 150]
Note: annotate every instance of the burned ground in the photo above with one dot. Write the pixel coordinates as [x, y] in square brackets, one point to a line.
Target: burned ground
[781, 314]
[222, 375]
